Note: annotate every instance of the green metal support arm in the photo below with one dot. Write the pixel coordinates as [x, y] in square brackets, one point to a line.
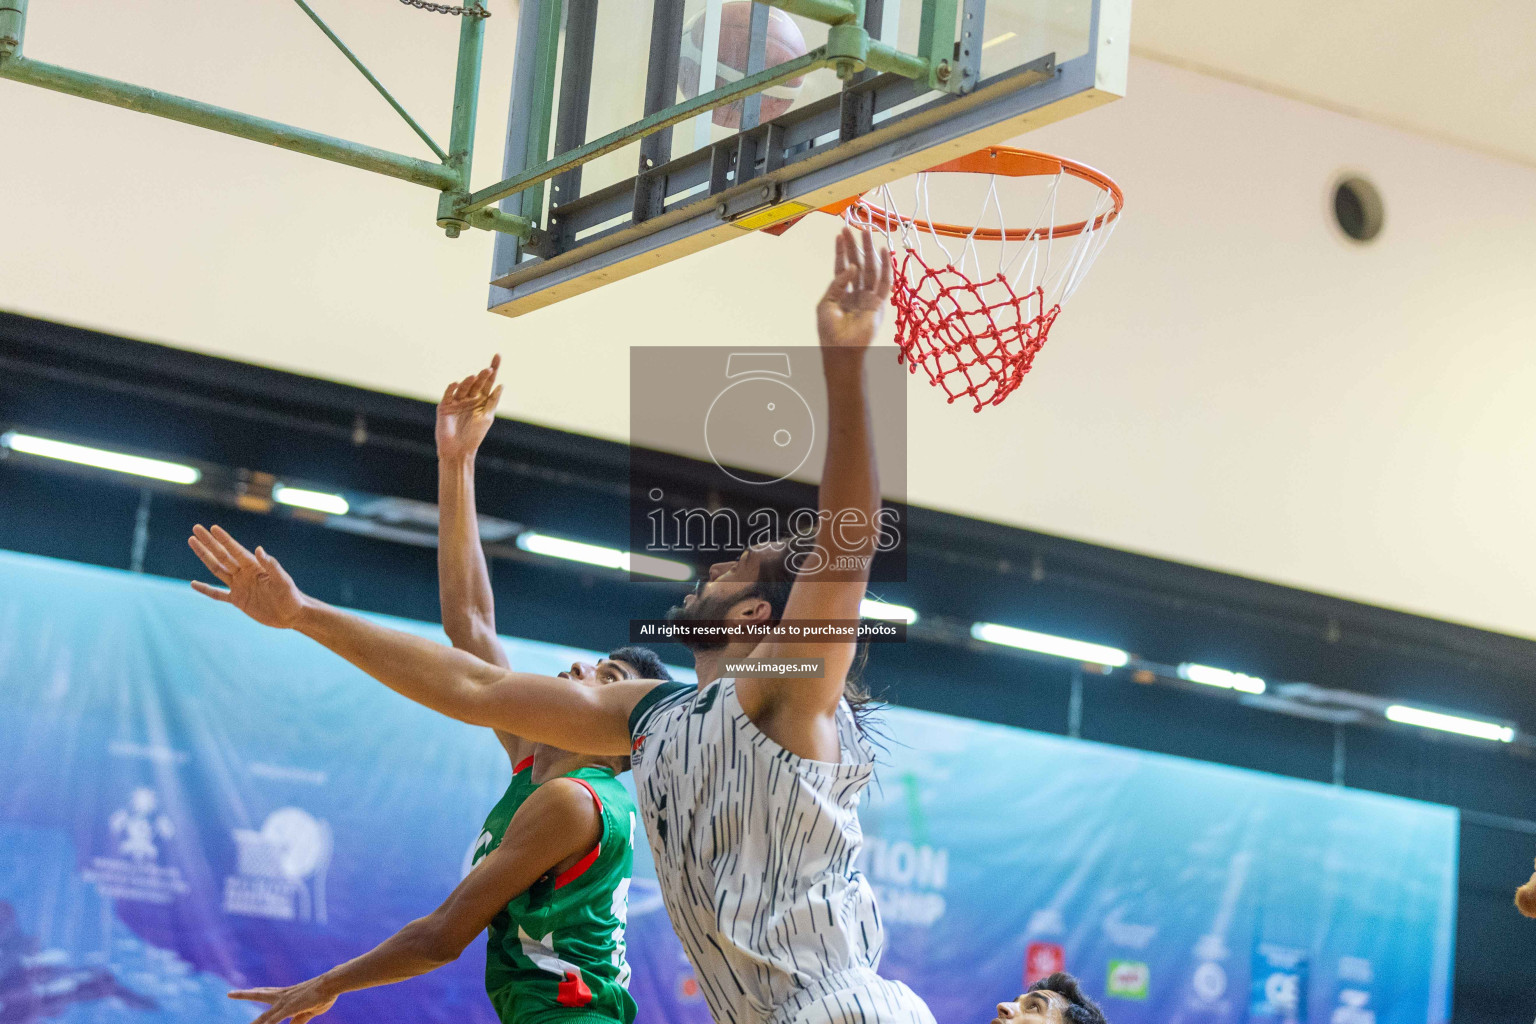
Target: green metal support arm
[447, 177]
[461, 131]
[889, 60]
[492, 219]
[372, 80]
[222, 119]
[828, 12]
[13, 23]
[849, 48]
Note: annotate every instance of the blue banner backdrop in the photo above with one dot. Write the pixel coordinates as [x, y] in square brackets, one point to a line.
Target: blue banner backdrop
[189, 801]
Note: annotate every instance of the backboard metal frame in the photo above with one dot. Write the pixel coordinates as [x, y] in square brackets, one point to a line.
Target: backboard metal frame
[766, 173]
[849, 49]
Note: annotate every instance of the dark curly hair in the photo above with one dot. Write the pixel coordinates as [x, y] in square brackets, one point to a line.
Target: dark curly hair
[1080, 1009]
[643, 660]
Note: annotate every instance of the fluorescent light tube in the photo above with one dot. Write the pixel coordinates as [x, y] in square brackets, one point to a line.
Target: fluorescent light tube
[1450, 723]
[1224, 678]
[607, 558]
[318, 501]
[665, 568]
[1044, 643]
[100, 458]
[869, 608]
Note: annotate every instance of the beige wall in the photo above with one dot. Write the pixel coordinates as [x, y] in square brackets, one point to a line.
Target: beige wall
[1236, 386]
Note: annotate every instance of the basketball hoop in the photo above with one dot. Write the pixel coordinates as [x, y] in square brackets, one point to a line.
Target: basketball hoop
[971, 321]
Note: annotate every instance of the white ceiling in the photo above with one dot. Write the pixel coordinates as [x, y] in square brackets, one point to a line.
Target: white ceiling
[1464, 72]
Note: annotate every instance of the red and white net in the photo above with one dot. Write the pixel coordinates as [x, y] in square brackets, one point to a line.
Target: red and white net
[973, 311]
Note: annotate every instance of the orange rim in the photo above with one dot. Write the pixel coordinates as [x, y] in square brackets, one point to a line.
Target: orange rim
[1006, 162]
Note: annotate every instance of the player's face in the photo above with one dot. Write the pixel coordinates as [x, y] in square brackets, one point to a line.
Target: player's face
[1033, 1008]
[726, 580]
[604, 672]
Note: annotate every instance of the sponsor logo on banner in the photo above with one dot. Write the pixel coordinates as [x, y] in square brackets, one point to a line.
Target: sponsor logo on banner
[1353, 1008]
[1211, 947]
[909, 879]
[1209, 982]
[281, 868]
[1041, 960]
[1355, 976]
[1124, 933]
[1046, 922]
[136, 832]
[1279, 993]
[1128, 979]
[139, 825]
[1356, 969]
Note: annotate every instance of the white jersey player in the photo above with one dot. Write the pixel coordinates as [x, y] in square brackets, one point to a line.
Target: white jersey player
[749, 785]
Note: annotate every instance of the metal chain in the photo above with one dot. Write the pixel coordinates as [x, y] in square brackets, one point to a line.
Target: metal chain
[475, 11]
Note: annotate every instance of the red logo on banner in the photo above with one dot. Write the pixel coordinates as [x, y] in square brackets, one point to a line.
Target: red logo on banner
[1041, 960]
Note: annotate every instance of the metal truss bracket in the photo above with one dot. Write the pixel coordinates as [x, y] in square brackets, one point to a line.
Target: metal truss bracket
[749, 198]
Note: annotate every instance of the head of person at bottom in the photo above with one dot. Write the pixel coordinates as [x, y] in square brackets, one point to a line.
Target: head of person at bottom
[1054, 1000]
[622, 664]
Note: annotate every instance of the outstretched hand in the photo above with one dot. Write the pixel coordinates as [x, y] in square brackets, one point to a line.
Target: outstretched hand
[466, 412]
[850, 313]
[1525, 897]
[257, 585]
[304, 1001]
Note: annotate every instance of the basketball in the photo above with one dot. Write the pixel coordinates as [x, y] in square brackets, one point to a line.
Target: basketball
[785, 42]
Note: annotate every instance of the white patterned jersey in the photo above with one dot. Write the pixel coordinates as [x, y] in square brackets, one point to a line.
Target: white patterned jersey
[754, 851]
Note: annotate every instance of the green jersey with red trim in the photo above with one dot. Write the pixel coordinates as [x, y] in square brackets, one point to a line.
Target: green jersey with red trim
[501, 815]
[556, 953]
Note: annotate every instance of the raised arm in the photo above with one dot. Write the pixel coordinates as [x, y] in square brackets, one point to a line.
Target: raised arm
[464, 416]
[556, 825]
[834, 578]
[544, 709]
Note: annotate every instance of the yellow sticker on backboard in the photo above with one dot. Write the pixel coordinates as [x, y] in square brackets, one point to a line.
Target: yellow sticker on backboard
[771, 215]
